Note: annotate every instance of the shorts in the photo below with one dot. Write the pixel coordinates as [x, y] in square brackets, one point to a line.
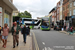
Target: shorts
[4, 37]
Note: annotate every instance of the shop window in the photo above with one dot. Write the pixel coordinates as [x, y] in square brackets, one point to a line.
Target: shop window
[74, 12]
[6, 18]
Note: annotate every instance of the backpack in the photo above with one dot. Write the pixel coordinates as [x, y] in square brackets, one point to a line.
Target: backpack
[27, 31]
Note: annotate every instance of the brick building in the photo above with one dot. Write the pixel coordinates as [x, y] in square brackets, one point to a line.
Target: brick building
[65, 9]
[58, 11]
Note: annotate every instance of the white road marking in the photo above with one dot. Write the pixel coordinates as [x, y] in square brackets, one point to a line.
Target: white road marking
[45, 48]
[42, 49]
[49, 48]
[43, 43]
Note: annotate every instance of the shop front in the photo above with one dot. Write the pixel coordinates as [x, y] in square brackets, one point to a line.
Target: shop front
[6, 10]
[70, 21]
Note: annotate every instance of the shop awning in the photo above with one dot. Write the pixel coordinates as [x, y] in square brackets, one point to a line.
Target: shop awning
[10, 4]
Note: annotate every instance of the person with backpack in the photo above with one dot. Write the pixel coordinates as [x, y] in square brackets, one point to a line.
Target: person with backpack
[15, 32]
[24, 29]
[5, 34]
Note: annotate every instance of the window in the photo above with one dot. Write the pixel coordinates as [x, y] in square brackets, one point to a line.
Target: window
[67, 6]
[74, 3]
[67, 14]
[63, 8]
[13, 13]
[70, 13]
[70, 4]
[74, 12]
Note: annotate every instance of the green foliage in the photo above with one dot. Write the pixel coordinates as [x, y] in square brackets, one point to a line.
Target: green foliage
[25, 14]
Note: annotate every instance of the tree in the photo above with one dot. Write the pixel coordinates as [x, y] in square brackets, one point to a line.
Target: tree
[25, 14]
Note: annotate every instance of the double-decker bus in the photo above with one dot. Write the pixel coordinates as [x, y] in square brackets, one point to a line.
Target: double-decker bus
[31, 22]
[45, 23]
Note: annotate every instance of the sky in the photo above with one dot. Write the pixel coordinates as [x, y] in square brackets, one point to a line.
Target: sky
[37, 8]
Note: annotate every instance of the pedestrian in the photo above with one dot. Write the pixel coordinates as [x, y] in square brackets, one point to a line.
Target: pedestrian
[28, 30]
[15, 32]
[5, 34]
[71, 29]
[0, 34]
[24, 33]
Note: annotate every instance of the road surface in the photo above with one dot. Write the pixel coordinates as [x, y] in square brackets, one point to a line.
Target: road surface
[54, 40]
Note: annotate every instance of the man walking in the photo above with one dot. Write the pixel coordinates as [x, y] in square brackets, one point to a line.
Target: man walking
[15, 32]
[24, 29]
[5, 34]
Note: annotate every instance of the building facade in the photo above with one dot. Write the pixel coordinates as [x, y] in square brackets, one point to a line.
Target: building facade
[6, 10]
[72, 13]
[15, 13]
[61, 9]
[65, 9]
[71, 7]
[58, 11]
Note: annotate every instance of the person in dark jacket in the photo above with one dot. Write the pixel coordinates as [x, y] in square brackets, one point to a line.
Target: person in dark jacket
[24, 33]
[15, 32]
[28, 30]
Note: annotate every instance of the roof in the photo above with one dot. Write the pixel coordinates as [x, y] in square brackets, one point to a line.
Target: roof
[52, 10]
[10, 4]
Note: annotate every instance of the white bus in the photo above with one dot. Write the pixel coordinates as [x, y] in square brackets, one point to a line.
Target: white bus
[28, 21]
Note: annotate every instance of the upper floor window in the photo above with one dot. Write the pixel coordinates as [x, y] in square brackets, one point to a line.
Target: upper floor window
[74, 12]
[70, 13]
[74, 3]
[70, 4]
[13, 13]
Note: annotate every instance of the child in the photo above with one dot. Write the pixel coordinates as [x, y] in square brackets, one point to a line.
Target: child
[0, 35]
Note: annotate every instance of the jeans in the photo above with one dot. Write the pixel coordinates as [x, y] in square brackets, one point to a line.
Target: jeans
[24, 37]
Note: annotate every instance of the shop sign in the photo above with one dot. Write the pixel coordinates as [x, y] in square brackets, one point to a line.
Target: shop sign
[0, 16]
[73, 17]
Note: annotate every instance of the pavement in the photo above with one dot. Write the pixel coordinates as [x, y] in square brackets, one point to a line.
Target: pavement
[66, 32]
[22, 46]
[53, 40]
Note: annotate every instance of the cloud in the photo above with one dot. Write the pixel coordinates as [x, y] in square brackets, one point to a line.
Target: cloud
[38, 8]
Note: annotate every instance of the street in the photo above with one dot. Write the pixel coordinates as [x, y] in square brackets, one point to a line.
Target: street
[54, 40]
